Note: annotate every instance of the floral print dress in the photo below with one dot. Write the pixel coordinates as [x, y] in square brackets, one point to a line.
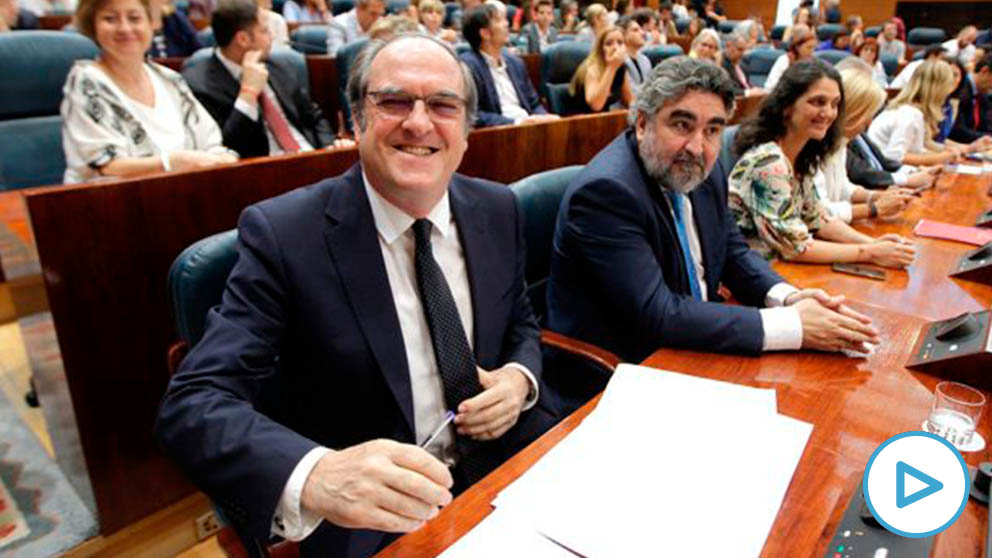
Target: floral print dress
[776, 212]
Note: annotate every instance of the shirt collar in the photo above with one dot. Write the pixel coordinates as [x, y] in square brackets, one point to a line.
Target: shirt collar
[231, 65]
[492, 62]
[391, 222]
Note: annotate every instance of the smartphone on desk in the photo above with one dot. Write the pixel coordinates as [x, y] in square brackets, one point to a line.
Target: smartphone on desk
[859, 270]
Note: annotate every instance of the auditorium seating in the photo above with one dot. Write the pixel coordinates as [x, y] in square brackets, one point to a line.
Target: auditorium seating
[558, 65]
[682, 25]
[758, 63]
[345, 57]
[33, 70]
[206, 36]
[920, 37]
[777, 33]
[873, 32]
[511, 12]
[310, 39]
[727, 157]
[827, 31]
[196, 282]
[727, 26]
[452, 13]
[657, 53]
[832, 55]
[891, 64]
[538, 197]
[341, 6]
[397, 6]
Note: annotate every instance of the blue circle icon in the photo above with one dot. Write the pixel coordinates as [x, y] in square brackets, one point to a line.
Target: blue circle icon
[930, 464]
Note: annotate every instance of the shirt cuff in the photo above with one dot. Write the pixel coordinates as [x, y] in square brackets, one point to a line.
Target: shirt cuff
[778, 293]
[783, 329]
[900, 177]
[841, 210]
[534, 390]
[246, 109]
[291, 521]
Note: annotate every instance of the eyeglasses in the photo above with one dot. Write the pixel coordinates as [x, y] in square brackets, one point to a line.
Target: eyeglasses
[399, 104]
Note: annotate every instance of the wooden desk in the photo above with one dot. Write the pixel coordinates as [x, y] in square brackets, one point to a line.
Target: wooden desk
[854, 404]
[924, 289]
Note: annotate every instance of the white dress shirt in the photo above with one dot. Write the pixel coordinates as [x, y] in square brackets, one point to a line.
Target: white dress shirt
[509, 102]
[902, 78]
[781, 324]
[397, 243]
[778, 68]
[344, 29]
[954, 50]
[833, 186]
[252, 111]
[899, 131]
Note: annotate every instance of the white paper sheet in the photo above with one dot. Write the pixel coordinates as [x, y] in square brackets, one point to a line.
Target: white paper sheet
[501, 535]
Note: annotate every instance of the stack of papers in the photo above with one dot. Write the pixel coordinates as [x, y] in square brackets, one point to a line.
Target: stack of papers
[666, 465]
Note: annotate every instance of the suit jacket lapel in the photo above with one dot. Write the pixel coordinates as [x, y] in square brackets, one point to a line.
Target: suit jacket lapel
[487, 80]
[353, 243]
[220, 77]
[474, 237]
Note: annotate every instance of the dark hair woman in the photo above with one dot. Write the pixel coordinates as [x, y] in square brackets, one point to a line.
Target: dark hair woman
[771, 187]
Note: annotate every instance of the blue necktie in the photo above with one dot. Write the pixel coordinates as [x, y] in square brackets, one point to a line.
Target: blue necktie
[675, 199]
[866, 149]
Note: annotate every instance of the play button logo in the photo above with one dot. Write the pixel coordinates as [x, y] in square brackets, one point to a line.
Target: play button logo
[932, 484]
[916, 484]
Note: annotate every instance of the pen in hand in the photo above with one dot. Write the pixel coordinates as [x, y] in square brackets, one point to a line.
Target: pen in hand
[448, 417]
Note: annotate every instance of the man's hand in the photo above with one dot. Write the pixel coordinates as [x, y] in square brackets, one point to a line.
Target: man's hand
[254, 76]
[382, 485]
[833, 329]
[490, 414]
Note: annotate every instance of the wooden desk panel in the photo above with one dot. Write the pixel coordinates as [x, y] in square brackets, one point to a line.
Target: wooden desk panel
[854, 404]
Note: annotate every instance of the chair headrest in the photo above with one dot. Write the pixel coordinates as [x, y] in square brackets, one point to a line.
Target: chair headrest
[33, 68]
[561, 59]
[197, 279]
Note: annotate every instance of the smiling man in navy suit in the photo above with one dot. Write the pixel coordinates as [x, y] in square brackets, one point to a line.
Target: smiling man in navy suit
[362, 311]
[644, 239]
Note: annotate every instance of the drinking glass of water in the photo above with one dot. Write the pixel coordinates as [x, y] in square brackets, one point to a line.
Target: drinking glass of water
[955, 412]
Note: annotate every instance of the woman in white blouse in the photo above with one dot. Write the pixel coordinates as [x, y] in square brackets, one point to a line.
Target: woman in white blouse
[125, 116]
[863, 97]
[905, 130]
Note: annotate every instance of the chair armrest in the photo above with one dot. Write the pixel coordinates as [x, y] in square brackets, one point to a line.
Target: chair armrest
[600, 357]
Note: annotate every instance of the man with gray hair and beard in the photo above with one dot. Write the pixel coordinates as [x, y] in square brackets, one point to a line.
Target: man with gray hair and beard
[644, 239]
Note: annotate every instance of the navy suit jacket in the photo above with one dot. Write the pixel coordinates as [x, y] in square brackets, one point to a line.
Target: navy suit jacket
[860, 170]
[617, 275]
[305, 348]
[966, 129]
[490, 113]
[217, 90]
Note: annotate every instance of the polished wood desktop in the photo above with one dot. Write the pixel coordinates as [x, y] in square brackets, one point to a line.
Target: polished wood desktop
[854, 403]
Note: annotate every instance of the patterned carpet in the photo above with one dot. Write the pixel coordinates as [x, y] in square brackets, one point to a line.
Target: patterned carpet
[40, 514]
[18, 255]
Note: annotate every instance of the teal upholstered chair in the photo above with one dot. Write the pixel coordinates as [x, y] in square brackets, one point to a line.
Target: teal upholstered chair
[758, 63]
[891, 64]
[574, 370]
[206, 37]
[727, 158]
[341, 6]
[657, 53]
[345, 58]
[827, 31]
[558, 64]
[309, 39]
[727, 26]
[832, 56]
[921, 37]
[873, 32]
[33, 69]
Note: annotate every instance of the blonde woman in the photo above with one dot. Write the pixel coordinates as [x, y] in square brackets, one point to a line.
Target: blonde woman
[905, 130]
[706, 46]
[431, 19]
[601, 82]
[596, 20]
[863, 97]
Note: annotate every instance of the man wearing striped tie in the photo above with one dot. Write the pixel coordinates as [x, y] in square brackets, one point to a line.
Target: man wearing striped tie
[644, 241]
[259, 103]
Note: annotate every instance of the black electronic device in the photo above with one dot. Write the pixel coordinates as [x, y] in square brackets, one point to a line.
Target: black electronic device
[959, 348]
[860, 535]
[985, 219]
[859, 270]
[975, 265]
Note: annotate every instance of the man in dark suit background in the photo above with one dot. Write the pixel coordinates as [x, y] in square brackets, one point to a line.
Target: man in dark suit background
[506, 95]
[973, 122]
[643, 242]
[733, 51]
[259, 103]
[541, 32]
[867, 166]
[363, 309]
